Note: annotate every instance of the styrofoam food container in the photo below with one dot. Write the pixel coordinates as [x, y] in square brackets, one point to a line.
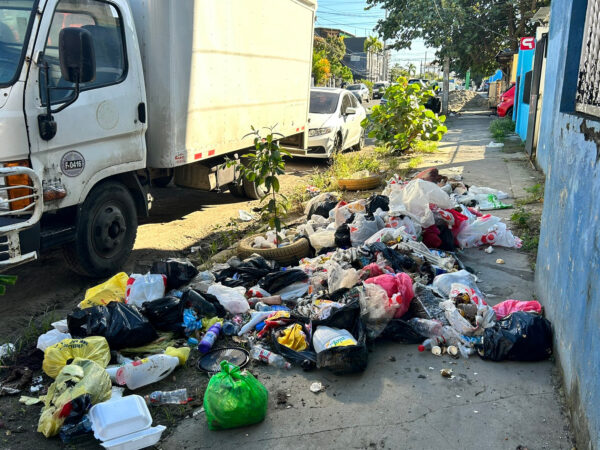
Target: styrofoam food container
[117, 418]
[135, 441]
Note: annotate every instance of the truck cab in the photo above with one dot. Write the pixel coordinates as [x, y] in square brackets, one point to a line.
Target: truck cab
[75, 157]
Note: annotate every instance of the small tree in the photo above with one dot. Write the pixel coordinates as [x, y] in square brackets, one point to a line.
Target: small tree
[263, 166]
[321, 68]
[404, 118]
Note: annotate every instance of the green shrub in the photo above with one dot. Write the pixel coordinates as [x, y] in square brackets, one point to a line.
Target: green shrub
[500, 128]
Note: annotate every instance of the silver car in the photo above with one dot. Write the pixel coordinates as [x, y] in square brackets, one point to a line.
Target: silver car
[334, 122]
[360, 90]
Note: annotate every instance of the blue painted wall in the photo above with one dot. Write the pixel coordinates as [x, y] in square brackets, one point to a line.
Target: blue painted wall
[521, 110]
[568, 262]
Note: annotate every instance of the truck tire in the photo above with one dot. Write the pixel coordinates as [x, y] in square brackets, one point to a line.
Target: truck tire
[237, 190]
[253, 191]
[105, 231]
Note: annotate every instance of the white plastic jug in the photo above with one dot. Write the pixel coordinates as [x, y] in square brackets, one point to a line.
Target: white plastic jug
[326, 337]
[146, 371]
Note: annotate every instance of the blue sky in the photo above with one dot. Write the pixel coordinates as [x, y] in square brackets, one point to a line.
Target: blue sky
[350, 15]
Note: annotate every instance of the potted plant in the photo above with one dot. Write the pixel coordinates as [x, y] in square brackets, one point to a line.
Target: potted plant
[262, 167]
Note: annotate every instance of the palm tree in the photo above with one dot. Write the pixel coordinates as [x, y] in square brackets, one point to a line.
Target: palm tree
[372, 45]
[412, 69]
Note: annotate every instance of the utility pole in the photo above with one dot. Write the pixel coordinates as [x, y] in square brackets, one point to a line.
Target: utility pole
[446, 85]
[425, 66]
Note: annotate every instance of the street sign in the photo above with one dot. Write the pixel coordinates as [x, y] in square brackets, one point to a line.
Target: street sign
[527, 43]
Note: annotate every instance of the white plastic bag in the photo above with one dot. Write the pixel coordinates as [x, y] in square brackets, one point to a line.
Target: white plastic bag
[293, 291]
[362, 229]
[443, 283]
[410, 227]
[50, 338]
[487, 230]
[457, 321]
[388, 234]
[475, 190]
[342, 213]
[338, 278]
[322, 239]
[145, 288]
[232, 299]
[416, 198]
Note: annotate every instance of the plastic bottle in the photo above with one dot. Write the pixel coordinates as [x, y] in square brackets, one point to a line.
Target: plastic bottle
[273, 359]
[177, 397]
[146, 371]
[425, 327]
[230, 328]
[209, 338]
[431, 342]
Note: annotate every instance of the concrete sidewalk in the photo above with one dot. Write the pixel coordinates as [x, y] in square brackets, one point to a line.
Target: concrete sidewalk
[401, 401]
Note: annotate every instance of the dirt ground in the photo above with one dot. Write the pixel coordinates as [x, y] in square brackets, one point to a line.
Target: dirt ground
[466, 100]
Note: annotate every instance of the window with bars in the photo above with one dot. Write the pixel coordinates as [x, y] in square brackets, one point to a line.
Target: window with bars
[587, 99]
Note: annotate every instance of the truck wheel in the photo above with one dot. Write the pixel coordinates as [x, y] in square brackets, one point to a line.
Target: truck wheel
[253, 191]
[105, 231]
[237, 189]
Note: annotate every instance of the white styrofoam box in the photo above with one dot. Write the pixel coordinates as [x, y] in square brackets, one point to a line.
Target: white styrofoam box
[114, 419]
[135, 441]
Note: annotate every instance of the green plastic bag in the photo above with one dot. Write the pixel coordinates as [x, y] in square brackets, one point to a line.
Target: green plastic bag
[234, 398]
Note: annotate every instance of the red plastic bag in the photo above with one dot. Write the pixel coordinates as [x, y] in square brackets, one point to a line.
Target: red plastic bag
[507, 307]
[398, 288]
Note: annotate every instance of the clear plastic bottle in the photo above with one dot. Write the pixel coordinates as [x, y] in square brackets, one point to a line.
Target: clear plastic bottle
[425, 327]
[177, 397]
[273, 359]
[146, 371]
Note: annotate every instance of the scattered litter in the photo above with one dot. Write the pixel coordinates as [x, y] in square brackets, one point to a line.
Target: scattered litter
[499, 261]
[245, 216]
[493, 144]
[6, 349]
[316, 387]
[36, 384]
[490, 249]
[446, 373]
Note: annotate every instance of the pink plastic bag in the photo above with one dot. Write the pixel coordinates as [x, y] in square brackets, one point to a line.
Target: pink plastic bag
[398, 288]
[508, 307]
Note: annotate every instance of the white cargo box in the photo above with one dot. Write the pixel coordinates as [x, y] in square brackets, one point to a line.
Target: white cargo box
[215, 68]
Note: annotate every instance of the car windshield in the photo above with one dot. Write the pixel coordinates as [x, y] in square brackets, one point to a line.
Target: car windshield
[379, 85]
[15, 21]
[323, 102]
[354, 87]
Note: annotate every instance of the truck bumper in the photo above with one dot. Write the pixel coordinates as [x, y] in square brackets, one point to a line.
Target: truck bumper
[20, 229]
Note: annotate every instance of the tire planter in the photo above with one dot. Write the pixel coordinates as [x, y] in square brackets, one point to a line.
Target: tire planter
[290, 254]
[360, 184]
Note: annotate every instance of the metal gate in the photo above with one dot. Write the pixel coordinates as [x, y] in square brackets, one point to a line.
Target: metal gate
[587, 99]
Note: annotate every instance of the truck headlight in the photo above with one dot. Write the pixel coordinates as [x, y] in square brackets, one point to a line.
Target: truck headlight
[319, 131]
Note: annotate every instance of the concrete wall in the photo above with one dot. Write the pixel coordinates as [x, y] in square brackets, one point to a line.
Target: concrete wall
[568, 269]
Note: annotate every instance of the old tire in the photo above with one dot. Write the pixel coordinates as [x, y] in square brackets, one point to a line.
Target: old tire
[105, 232]
[290, 254]
[253, 191]
[361, 184]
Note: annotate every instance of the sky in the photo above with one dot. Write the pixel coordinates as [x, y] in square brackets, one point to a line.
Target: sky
[350, 16]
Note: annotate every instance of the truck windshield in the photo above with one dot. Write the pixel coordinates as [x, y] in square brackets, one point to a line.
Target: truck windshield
[16, 17]
[323, 102]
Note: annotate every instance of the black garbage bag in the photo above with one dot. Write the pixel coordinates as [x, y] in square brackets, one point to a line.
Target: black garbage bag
[377, 201]
[307, 359]
[322, 208]
[276, 281]
[178, 271]
[348, 359]
[206, 305]
[122, 325]
[164, 314]
[521, 336]
[247, 273]
[342, 236]
[401, 331]
[398, 261]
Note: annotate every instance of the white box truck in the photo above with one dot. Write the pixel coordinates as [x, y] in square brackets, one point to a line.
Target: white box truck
[99, 98]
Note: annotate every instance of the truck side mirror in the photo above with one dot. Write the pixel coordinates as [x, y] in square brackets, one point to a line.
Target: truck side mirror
[76, 54]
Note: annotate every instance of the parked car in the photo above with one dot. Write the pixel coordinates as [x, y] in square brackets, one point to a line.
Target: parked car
[507, 102]
[433, 103]
[379, 89]
[334, 122]
[360, 90]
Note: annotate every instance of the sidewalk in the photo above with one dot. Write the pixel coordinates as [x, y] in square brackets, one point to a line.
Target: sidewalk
[401, 401]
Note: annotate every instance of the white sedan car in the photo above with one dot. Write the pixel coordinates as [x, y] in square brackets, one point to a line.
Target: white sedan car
[334, 122]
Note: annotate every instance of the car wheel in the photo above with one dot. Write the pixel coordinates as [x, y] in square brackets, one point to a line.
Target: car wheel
[509, 113]
[361, 141]
[337, 143]
[105, 231]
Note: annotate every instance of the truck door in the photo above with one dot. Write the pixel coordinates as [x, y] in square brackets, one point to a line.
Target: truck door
[102, 132]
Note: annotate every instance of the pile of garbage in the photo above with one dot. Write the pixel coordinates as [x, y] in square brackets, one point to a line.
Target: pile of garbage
[385, 267]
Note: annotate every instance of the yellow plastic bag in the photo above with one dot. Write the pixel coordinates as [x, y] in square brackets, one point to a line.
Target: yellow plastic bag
[293, 337]
[82, 376]
[183, 353]
[112, 290]
[59, 355]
